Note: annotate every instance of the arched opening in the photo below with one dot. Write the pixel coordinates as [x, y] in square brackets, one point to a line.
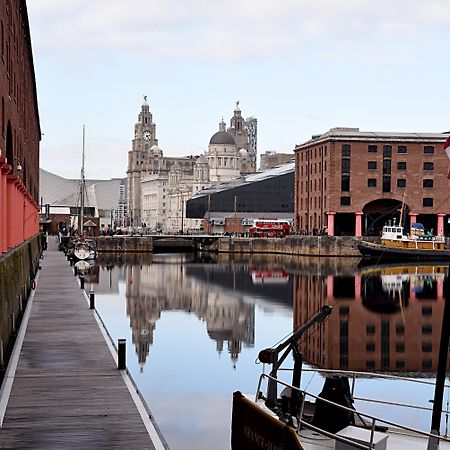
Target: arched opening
[378, 212]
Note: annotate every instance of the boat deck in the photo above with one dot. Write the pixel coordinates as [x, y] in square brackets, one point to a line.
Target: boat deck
[395, 441]
[63, 389]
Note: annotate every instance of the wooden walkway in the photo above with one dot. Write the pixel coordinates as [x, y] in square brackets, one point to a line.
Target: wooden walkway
[67, 392]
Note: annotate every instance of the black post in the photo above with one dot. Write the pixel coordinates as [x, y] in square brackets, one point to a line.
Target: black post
[75, 271]
[81, 282]
[121, 354]
[91, 300]
[442, 362]
[296, 379]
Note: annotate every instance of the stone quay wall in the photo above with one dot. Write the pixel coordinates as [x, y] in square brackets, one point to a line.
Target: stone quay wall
[124, 244]
[18, 269]
[290, 245]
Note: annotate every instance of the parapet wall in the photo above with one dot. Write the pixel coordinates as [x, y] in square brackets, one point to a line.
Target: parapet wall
[17, 271]
[124, 244]
[291, 245]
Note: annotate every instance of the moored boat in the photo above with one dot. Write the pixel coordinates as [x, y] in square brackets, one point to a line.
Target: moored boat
[288, 416]
[396, 244]
[83, 248]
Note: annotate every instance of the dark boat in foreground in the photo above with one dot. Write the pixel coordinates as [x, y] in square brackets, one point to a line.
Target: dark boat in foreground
[296, 419]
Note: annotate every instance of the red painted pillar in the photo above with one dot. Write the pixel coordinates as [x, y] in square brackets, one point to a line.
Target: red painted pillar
[9, 211]
[21, 192]
[358, 224]
[357, 288]
[440, 227]
[330, 287]
[440, 288]
[330, 216]
[4, 169]
[413, 219]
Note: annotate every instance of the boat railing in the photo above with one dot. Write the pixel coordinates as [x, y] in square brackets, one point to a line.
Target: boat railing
[354, 375]
[370, 418]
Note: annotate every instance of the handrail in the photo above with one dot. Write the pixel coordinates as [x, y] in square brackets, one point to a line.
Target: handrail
[345, 408]
[368, 374]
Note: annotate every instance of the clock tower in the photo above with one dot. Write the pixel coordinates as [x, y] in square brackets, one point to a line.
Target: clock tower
[144, 140]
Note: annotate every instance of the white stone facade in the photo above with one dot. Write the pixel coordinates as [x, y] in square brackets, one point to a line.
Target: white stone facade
[159, 186]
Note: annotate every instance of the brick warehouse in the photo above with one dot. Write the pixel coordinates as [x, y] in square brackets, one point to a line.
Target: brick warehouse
[351, 182]
[20, 129]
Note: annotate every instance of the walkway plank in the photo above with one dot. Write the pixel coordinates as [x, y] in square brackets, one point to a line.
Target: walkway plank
[67, 392]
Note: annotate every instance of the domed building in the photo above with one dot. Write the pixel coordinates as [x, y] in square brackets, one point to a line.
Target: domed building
[160, 186]
[222, 156]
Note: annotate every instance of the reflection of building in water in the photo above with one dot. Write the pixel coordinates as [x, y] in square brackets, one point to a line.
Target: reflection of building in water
[108, 279]
[154, 288]
[389, 321]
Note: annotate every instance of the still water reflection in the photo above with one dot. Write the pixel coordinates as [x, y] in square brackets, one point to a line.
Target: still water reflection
[194, 327]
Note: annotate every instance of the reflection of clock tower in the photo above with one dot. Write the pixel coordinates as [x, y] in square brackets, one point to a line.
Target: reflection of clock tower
[144, 139]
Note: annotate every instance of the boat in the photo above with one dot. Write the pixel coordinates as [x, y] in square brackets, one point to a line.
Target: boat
[418, 245]
[82, 247]
[286, 416]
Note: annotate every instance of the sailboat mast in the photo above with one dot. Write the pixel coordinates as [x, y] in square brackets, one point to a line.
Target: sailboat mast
[82, 188]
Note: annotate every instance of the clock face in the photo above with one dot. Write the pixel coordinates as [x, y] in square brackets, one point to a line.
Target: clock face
[147, 135]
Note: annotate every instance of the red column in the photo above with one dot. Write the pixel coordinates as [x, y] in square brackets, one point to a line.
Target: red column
[330, 287]
[4, 169]
[358, 224]
[413, 219]
[13, 227]
[440, 288]
[358, 288]
[21, 192]
[330, 216]
[440, 230]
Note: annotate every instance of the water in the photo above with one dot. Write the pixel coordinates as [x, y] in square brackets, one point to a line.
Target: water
[194, 328]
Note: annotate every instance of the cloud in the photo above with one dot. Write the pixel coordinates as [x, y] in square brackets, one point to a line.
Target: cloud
[201, 29]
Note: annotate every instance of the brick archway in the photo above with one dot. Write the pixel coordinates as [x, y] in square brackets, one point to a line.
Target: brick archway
[376, 213]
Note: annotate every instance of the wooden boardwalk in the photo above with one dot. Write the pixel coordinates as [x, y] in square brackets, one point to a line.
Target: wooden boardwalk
[67, 392]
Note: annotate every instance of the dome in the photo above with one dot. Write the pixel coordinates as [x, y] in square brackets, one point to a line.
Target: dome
[155, 148]
[222, 138]
[243, 152]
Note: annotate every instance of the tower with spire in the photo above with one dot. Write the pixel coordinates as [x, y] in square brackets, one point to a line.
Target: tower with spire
[144, 140]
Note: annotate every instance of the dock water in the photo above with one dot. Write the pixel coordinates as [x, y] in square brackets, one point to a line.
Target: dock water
[66, 391]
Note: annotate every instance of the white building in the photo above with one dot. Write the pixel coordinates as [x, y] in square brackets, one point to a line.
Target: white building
[159, 186]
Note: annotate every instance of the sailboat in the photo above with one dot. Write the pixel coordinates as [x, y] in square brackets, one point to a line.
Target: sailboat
[83, 247]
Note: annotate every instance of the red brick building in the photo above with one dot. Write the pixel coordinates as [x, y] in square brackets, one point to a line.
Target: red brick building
[20, 132]
[351, 182]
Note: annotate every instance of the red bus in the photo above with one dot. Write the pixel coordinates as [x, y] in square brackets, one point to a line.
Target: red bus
[270, 228]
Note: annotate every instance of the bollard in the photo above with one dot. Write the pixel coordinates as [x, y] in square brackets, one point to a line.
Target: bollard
[81, 282]
[121, 354]
[91, 299]
[75, 271]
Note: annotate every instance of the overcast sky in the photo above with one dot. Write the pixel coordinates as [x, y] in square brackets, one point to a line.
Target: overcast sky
[301, 67]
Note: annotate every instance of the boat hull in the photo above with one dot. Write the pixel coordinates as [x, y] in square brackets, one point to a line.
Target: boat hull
[253, 428]
[372, 250]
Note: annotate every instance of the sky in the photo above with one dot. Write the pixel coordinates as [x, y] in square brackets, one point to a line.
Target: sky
[301, 67]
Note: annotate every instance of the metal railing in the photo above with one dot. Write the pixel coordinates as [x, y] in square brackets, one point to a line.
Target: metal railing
[370, 418]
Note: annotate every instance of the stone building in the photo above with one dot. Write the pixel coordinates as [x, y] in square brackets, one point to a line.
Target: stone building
[351, 182]
[159, 186]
